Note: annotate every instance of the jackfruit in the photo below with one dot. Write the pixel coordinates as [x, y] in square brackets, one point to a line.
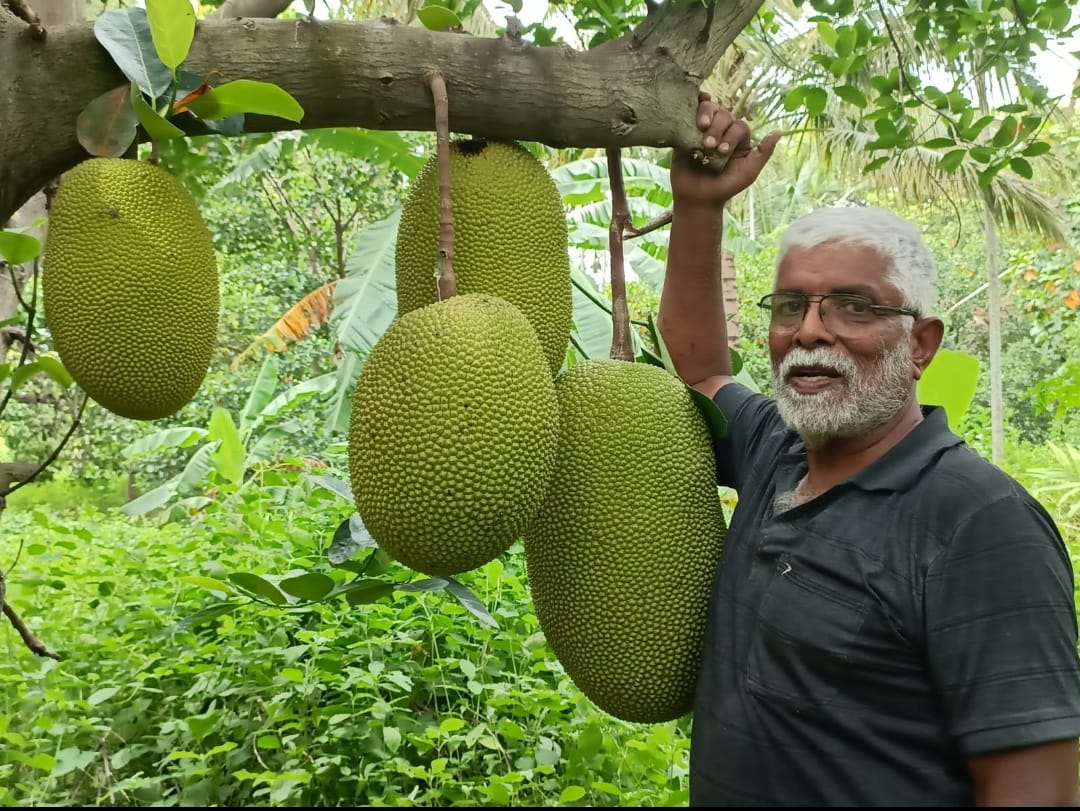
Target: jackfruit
[130, 286]
[510, 237]
[621, 558]
[452, 434]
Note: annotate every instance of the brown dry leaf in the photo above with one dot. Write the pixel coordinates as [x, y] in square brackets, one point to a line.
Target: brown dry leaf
[307, 315]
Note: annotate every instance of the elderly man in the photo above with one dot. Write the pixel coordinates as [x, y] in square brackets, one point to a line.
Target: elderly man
[893, 619]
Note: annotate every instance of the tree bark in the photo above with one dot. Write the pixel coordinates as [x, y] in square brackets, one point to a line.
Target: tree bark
[639, 90]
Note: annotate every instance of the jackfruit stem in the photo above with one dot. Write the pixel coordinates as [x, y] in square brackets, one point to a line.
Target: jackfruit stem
[447, 282]
[622, 347]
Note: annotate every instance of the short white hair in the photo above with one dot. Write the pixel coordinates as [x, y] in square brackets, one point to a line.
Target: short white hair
[911, 266]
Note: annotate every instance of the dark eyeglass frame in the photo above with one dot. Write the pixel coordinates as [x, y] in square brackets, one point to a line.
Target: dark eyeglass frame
[878, 309]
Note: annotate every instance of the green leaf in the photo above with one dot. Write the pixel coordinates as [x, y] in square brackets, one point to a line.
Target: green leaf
[229, 457]
[156, 127]
[951, 160]
[661, 347]
[815, 99]
[172, 27]
[1036, 148]
[206, 614]
[851, 94]
[24, 373]
[178, 437]
[246, 96]
[107, 125]
[361, 592]
[350, 537]
[341, 488]
[715, 420]
[1021, 167]
[571, 794]
[950, 381]
[208, 583]
[55, 369]
[17, 248]
[470, 601]
[391, 738]
[125, 34]
[427, 584]
[262, 392]
[438, 18]
[312, 586]
[940, 143]
[793, 99]
[256, 585]
[99, 696]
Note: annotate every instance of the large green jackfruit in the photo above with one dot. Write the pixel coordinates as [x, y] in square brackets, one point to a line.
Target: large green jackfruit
[130, 286]
[621, 558]
[510, 237]
[452, 434]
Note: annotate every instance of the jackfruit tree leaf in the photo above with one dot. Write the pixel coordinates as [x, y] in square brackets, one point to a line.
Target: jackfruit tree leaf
[24, 373]
[246, 96]
[349, 538]
[156, 127]
[253, 584]
[125, 34]
[334, 485]
[172, 28]
[190, 85]
[211, 584]
[312, 586]
[107, 125]
[17, 248]
[438, 18]
[470, 601]
[715, 420]
[659, 345]
[55, 369]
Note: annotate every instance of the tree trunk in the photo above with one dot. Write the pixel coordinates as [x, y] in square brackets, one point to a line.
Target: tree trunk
[639, 90]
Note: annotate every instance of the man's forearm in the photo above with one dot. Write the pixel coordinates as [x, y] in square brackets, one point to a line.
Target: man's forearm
[691, 318]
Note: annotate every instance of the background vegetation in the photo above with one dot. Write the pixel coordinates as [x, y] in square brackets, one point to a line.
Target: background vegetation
[228, 638]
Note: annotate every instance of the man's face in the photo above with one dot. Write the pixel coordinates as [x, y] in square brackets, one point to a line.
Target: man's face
[832, 379]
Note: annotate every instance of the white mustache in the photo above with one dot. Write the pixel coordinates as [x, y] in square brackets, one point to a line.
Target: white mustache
[798, 356]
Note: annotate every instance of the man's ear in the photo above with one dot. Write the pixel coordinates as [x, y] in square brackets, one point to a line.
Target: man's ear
[926, 336]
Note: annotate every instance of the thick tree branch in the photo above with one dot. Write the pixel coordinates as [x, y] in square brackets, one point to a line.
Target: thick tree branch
[639, 90]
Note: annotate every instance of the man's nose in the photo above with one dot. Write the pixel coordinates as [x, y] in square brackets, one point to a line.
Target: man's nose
[812, 329]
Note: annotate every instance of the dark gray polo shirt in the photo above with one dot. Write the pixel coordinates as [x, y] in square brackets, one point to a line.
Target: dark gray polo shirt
[861, 645]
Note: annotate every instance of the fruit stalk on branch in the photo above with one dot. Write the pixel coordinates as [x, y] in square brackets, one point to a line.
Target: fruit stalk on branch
[447, 283]
[622, 347]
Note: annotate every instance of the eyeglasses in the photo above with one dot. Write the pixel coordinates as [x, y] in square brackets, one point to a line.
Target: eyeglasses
[840, 312]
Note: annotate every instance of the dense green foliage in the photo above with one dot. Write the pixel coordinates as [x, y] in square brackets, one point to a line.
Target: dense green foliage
[230, 637]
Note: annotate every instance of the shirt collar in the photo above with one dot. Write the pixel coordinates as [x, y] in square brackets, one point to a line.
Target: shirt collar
[902, 464]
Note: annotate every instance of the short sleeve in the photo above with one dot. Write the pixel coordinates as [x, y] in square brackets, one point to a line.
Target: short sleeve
[752, 421]
[1001, 629]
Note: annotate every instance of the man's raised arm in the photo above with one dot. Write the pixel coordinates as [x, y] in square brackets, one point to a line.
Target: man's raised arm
[691, 317]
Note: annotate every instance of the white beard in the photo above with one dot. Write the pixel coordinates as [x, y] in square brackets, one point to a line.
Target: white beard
[868, 397]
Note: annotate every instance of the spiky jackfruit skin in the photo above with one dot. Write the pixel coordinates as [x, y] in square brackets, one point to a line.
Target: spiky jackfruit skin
[621, 558]
[452, 434]
[130, 286]
[510, 237]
